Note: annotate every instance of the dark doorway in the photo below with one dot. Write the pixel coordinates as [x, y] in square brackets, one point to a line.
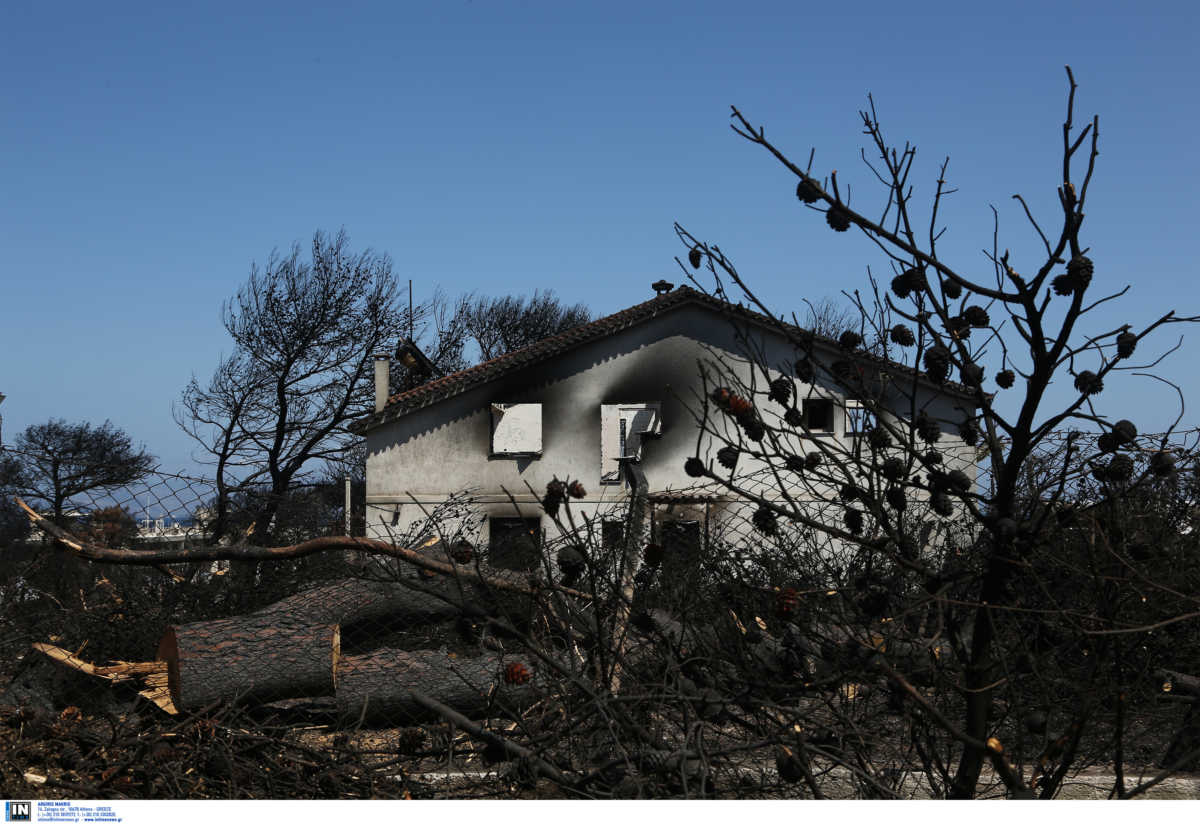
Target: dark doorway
[515, 543]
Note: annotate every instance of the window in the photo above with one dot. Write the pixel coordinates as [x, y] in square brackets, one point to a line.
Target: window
[818, 414]
[514, 543]
[859, 420]
[623, 426]
[516, 429]
[612, 533]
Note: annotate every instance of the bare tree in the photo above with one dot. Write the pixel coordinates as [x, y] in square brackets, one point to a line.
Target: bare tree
[55, 461]
[305, 332]
[500, 325]
[923, 547]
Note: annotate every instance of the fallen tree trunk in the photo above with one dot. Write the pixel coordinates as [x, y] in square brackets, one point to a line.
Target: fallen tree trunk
[528, 583]
[384, 686]
[354, 601]
[250, 657]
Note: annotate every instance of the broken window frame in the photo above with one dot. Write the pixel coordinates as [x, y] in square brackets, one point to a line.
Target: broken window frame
[528, 446]
[621, 437]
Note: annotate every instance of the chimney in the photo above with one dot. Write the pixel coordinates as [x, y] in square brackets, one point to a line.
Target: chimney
[383, 366]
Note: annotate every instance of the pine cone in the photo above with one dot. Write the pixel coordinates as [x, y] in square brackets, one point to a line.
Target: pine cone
[1106, 442]
[959, 327]
[739, 406]
[940, 503]
[937, 363]
[793, 417]
[764, 521]
[727, 456]
[694, 467]
[1120, 468]
[1124, 432]
[848, 492]
[969, 433]
[928, 429]
[794, 463]
[695, 257]
[1088, 383]
[951, 289]
[971, 374]
[653, 554]
[1005, 379]
[780, 391]
[902, 335]
[721, 396]
[1126, 343]
[912, 280]
[1162, 464]
[556, 493]
[958, 480]
[837, 218]
[808, 192]
[753, 428]
[977, 316]
[516, 674]
[849, 340]
[572, 562]
[854, 521]
[812, 460]
[1063, 285]
[895, 498]
[892, 469]
[805, 370]
[576, 490]
[1080, 269]
[933, 457]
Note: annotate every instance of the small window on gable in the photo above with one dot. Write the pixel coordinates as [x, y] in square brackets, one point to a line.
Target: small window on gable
[623, 427]
[859, 420]
[818, 414]
[516, 429]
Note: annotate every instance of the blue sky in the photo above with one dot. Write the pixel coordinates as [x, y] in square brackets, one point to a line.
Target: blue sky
[150, 152]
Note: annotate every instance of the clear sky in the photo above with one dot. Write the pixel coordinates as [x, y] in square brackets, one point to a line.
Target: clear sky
[150, 152]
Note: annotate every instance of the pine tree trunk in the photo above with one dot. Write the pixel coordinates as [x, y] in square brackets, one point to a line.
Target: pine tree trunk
[250, 657]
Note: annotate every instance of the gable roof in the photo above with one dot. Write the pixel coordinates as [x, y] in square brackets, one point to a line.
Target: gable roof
[458, 382]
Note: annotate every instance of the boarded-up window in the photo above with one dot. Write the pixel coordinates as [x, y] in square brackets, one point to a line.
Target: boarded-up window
[515, 543]
[516, 429]
[622, 428]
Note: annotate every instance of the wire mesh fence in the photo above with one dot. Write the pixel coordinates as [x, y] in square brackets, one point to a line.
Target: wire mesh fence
[670, 644]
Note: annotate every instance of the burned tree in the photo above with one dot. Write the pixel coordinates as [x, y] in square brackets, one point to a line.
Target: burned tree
[919, 552]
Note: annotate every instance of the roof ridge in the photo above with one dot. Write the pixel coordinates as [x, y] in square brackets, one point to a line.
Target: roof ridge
[456, 382]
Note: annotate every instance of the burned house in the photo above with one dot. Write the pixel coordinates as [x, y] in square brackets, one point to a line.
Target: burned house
[626, 387]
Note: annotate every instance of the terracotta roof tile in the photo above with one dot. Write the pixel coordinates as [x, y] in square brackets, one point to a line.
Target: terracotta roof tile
[450, 385]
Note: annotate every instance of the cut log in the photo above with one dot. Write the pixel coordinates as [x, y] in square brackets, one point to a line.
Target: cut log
[355, 601]
[250, 657]
[379, 687]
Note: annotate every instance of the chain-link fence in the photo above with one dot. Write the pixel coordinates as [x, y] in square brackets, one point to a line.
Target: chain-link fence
[186, 643]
